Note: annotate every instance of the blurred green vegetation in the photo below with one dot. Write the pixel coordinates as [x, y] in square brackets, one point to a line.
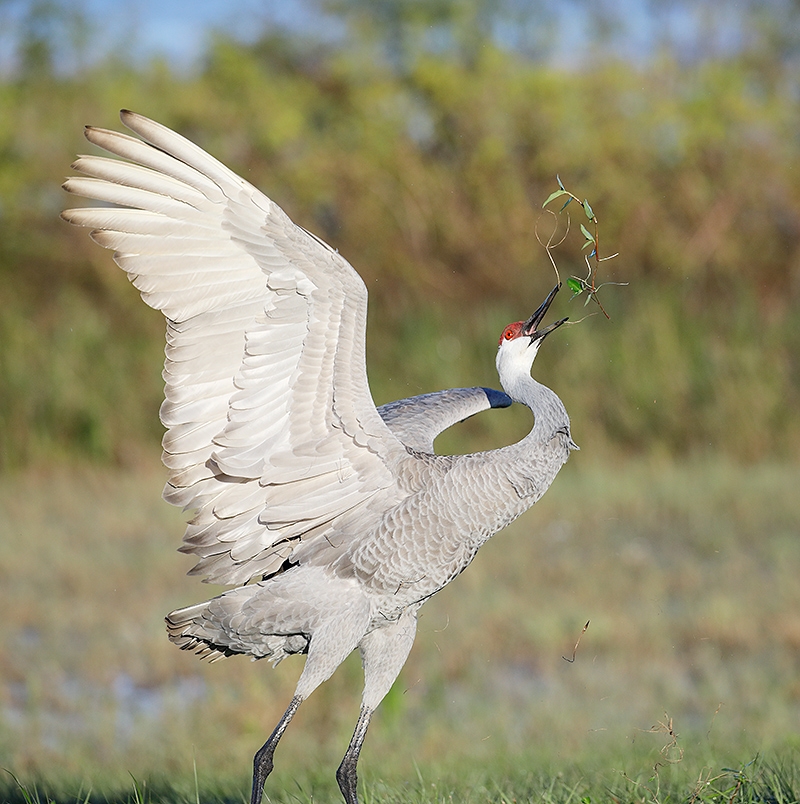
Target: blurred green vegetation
[426, 167]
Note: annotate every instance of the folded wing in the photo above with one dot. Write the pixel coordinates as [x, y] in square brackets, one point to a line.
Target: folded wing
[418, 420]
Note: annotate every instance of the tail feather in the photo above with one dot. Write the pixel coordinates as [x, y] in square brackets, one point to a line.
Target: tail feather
[219, 628]
[190, 630]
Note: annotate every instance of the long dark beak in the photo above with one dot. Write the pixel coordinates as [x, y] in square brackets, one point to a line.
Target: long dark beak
[531, 326]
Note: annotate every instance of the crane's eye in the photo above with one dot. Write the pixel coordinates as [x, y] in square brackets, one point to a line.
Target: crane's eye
[511, 331]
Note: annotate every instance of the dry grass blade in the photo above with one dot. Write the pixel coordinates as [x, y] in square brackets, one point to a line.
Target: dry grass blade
[578, 642]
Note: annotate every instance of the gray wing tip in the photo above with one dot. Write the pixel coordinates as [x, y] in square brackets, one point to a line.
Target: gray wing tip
[497, 399]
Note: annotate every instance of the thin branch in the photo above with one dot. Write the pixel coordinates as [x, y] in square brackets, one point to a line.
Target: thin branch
[592, 240]
[550, 245]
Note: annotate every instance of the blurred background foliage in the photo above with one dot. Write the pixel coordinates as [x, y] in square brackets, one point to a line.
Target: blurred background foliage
[420, 139]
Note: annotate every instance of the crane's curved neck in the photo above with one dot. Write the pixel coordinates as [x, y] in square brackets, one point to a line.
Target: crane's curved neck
[548, 410]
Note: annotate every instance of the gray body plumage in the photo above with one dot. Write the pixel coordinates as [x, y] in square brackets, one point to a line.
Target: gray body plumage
[333, 520]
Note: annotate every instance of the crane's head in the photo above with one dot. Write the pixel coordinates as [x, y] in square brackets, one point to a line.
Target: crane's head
[521, 340]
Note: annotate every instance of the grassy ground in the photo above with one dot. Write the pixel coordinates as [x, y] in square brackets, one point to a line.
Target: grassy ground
[687, 574]
[756, 781]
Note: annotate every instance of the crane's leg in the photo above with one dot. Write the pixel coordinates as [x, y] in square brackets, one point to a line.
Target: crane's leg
[383, 653]
[262, 762]
[346, 774]
[330, 645]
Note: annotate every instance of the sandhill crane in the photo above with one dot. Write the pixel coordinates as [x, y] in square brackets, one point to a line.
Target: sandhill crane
[332, 520]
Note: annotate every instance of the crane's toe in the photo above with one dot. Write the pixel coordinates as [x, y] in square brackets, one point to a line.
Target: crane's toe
[348, 780]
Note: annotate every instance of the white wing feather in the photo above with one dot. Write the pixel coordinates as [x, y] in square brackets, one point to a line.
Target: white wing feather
[272, 432]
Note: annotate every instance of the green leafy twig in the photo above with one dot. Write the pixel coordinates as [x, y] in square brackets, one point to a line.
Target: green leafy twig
[587, 284]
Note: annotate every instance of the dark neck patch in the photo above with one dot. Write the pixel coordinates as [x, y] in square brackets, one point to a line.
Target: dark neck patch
[497, 399]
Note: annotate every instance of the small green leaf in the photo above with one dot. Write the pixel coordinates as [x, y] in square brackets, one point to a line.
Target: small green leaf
[588, 299]
[566, 203]
[574, 285]
[587, 234]
[588, 244]
[553, 196]
[558, 179]
[587, 209]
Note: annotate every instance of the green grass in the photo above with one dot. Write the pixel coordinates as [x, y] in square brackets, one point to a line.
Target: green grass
[754, 781]
[686, 572]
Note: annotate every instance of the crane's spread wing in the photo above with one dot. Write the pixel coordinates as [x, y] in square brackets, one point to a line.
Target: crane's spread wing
[417, 421]
[272, 434]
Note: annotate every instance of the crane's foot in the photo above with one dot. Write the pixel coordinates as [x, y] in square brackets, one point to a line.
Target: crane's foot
[262, 761]
[348, 780]
[262, 767]
[346, 774]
